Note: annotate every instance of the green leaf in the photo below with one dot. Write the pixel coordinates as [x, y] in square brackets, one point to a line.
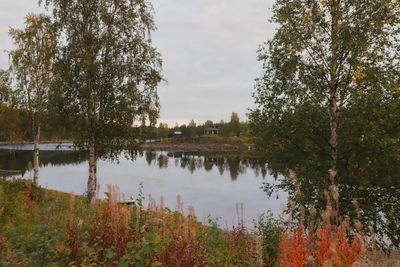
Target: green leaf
[123, 263]
[110, 254]
[147, 248]
[139, 256]
[130, 245]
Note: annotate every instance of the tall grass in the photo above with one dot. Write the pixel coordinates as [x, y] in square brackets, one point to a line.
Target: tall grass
[46, 228]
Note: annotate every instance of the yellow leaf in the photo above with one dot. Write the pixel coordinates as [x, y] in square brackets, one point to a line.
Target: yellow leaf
[359, 76]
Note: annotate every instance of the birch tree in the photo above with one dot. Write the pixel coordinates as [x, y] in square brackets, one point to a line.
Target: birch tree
[325, 56]
[108, 73]
[5, 86]
[31, 65]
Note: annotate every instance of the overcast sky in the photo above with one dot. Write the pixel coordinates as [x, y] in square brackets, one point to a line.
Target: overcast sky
[208, 49]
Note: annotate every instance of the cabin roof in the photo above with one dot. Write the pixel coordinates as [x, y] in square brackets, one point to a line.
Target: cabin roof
[213, 128]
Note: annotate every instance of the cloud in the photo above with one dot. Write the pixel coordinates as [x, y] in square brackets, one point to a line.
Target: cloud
[209, 51]
[12, 14]
[208, 48]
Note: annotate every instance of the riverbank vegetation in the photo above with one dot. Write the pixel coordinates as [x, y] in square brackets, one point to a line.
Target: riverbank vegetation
[39, 227]
[47, 228]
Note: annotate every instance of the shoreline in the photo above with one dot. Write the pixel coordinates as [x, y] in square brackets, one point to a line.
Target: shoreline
[31, 142]
[205, 146]
[202, 148]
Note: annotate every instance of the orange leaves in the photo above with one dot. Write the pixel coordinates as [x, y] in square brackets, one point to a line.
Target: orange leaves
[293, 247]
[328, 243]
[396, 90]
[348, 252]
[335, 248]
[328, 248]
[322, 245]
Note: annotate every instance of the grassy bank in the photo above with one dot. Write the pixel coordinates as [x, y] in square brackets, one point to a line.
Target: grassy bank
[41, 227]
[240, 146]
[45, 228]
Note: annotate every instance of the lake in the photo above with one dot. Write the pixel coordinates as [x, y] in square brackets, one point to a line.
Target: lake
[212, 185]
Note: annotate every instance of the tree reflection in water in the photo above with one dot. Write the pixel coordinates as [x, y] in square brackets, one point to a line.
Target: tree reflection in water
[19, 160]
[234, 165]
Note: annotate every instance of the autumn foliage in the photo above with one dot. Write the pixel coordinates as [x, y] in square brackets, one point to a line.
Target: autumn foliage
[331, 243]
[326, 248]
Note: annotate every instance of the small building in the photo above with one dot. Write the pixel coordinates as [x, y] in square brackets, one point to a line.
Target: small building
[177, 133]
[214, 130]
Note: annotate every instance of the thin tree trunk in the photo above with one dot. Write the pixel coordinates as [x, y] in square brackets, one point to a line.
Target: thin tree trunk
[333, 113]
[36, 155]
[92, 181]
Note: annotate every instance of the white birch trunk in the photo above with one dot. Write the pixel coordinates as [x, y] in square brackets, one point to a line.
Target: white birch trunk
[333, 112]
[92, 181]
[36, 156]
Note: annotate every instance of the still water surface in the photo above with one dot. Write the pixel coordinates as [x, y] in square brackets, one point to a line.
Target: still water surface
[212, 185]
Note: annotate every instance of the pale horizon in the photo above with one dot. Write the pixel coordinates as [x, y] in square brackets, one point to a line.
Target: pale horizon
[209, 53]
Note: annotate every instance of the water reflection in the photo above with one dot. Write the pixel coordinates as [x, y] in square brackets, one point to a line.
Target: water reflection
[20, 160]
[12, 160]
[235, 166]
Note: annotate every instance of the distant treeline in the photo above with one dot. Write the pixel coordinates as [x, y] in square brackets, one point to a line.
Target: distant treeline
[234, 127]
[15, 126]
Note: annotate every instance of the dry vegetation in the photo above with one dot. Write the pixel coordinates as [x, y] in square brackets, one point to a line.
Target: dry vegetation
[46, 228]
